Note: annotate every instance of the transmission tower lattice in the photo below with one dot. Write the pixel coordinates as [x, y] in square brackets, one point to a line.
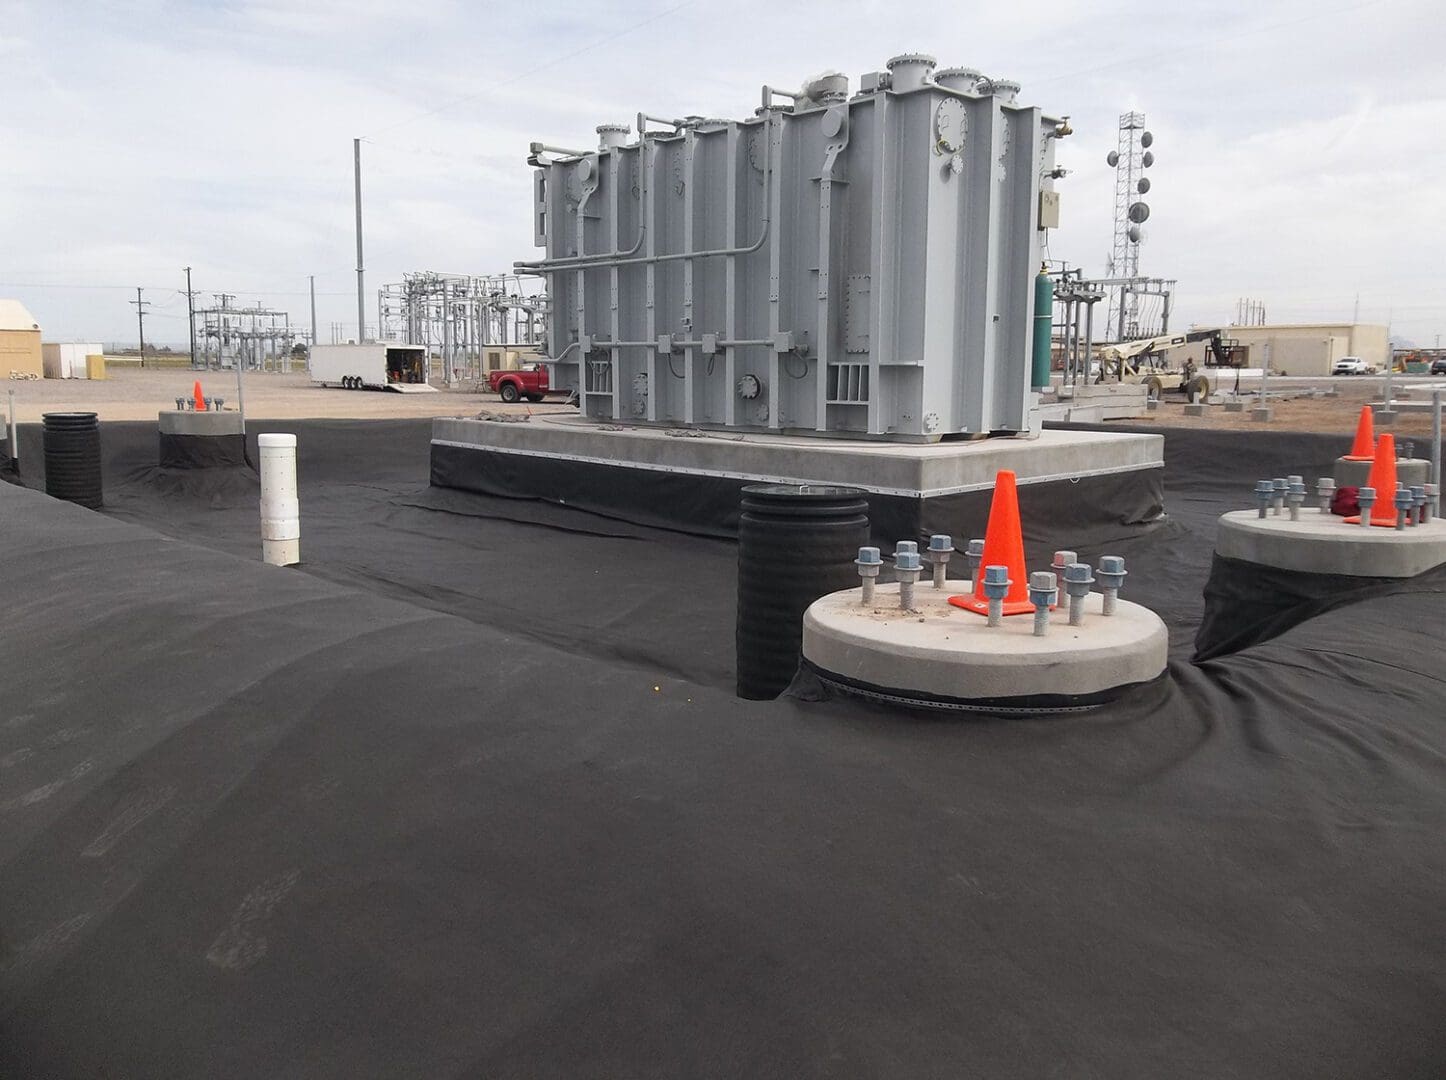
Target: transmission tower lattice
[1131, 157]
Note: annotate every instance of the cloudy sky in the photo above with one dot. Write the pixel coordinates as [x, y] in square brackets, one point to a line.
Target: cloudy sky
[1300, 143]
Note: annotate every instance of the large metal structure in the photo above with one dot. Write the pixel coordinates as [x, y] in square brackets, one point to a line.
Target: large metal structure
[256, 338]
[856, 264]
[456, 317]
[1131, 158]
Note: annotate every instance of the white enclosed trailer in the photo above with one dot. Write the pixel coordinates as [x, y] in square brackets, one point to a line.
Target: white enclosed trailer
[379, 366]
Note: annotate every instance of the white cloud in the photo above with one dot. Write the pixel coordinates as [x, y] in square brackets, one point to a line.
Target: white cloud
[1297, 145]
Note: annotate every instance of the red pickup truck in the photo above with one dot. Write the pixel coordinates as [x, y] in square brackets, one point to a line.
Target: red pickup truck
[528, 381]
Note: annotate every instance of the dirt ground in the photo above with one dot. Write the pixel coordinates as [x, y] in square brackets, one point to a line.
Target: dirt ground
[129, 393]
[1329, 415]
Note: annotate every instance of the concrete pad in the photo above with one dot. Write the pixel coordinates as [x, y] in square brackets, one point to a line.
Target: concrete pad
[910, 469]
[1321, 543]
[1386, 417]
[1235, 406]
[1152, 405]
[945, 652]
[1262, 414]
[214, 422]
[1195, 409]
[1409, 471]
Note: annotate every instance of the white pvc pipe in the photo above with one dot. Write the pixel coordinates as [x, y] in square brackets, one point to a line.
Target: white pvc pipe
[280, 509]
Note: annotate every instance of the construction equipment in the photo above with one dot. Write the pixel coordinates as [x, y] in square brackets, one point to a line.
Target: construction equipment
[1144, 361]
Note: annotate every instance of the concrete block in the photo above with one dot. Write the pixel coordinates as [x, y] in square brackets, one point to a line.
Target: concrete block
[1324, 544]
[1195, 409]
[946, 652]
[1262, 414]
[1152, 405]
[1235, 406]
[213, 423]
[1386, 417]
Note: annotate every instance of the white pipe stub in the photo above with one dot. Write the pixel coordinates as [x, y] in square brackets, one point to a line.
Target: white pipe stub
[280, 508]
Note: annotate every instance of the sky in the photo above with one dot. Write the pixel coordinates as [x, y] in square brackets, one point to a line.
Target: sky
[1299, 144]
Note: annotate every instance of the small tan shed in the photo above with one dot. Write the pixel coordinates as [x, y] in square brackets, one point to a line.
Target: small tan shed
[20, 353]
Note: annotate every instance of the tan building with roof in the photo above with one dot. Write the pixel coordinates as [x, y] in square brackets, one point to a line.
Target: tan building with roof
[20, 352]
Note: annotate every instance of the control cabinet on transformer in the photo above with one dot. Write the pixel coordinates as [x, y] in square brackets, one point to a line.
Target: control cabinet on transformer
[845, 264]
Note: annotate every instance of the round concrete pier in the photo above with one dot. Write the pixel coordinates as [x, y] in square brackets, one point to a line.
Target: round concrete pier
[944, 657]
[199, 440]
[1324, 544]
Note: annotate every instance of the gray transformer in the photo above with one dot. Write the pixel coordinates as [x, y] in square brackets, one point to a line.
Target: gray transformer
[853, 265]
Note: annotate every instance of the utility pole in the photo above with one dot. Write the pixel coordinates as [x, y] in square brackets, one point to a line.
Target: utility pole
[141, 306]
[191, 315]
[361, 309]
[313, 321]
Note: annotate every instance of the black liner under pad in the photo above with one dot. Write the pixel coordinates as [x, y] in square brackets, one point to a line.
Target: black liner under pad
[708, 505]
[468, 794]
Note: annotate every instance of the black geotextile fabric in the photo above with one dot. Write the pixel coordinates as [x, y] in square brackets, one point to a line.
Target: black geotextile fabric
[200, 451]
[468, 795]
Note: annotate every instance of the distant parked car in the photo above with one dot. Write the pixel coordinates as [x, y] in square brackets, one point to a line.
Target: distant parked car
[1438, 366]
[1351, 365]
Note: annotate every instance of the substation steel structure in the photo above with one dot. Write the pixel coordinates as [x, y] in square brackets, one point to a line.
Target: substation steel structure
[859, 263]
[1131, 159]
[256, 338]
[457, 317]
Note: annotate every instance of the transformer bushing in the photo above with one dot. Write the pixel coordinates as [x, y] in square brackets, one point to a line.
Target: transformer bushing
[907, 568]
[1043, 592]
[869, 563]
[1264, 495]
[1112, 578]
[815, 298]
[941, 546]
[1296, 498]
[1366, 498]
[996, 588]
[1325, 489]
[1403, 503]
[1077, 582]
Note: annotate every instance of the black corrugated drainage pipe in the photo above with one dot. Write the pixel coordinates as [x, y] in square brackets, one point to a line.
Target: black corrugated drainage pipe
[72, 457]
[795, 544]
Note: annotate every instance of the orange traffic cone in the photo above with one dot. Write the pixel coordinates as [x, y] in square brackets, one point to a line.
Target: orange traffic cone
[199, 397]
[1364, 448]
[1383, 479]
[1003, 546]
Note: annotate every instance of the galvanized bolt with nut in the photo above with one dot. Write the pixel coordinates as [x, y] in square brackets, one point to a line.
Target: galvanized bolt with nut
[1264, 493]
[941, 546]
[1061, 560]
[1077, 582]
[974, 552]
[1112, 578]
[869, 563]
[1043, 592]
[907, 569]
[1325, 489]
[1366, 497]
[1418, 503]
[1282, 485]
[1296, 498]
[1433, 503]
[996, 588]
[1403, 504]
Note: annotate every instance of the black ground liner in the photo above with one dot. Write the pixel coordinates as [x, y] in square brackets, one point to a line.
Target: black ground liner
[468, 794]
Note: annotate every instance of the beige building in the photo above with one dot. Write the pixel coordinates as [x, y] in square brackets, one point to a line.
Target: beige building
[1306, 348]
[19, 341]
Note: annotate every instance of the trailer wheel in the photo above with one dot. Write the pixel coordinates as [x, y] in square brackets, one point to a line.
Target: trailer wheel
[1153, 388]
[508, 393]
